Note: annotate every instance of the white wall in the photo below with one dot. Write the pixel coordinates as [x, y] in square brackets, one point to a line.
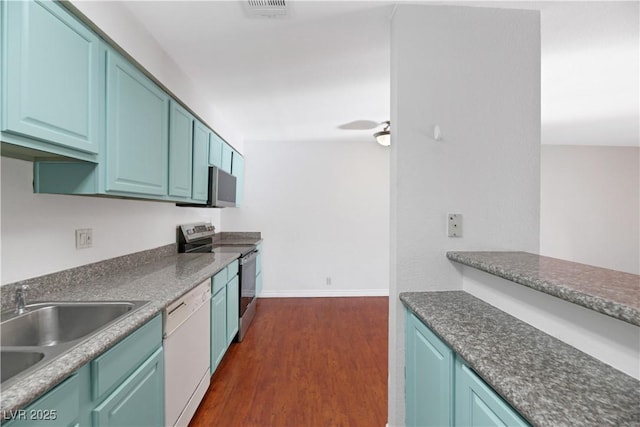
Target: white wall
[38, 230]
[590, 199]
[475, 73]
[590, 68]
[323, 209]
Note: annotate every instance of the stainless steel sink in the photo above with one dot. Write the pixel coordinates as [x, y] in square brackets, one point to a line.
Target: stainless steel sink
[14, 362]
[46, 330]
[51, 324]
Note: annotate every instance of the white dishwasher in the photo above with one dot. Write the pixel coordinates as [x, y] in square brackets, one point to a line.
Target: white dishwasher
[187, 346]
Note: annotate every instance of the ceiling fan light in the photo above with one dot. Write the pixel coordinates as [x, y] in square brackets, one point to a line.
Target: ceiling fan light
[383, 137]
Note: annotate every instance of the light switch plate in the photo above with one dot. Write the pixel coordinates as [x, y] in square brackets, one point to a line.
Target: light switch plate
[454, 225]
[84, 238]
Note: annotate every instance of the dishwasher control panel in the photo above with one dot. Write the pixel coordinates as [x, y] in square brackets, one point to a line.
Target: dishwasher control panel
[181, 309]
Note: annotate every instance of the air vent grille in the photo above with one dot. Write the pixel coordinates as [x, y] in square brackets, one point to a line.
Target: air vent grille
[267, 9]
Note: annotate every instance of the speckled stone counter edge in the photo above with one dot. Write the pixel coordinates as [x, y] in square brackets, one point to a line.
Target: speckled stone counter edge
[160, 282]
[548, 381]
[237, 238]
[41, 287]
[565, 291]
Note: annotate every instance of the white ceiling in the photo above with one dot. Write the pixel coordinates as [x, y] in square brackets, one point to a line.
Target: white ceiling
[328, 64]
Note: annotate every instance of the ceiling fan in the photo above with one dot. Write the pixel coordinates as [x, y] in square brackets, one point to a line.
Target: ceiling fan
[383, 137]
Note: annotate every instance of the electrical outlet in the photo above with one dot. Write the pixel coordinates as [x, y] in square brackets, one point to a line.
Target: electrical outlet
[454, 225]
[84, 238]
[328, 281]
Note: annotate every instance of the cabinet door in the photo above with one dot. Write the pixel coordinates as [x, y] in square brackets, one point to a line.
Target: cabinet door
[215, 150]
[218, 327]
[54, 81]
[137, 130]
[59, 407]
[259, 259]
[227, 157]
[180, 151]
[478, 405]
[138, 401]
[200, 172]
[237, 170]
[258, 284]
[429, 377]
[233, 308]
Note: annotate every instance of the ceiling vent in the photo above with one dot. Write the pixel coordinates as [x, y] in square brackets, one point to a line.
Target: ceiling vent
[269, 9]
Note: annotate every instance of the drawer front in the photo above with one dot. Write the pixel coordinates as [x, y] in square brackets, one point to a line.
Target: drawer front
[232, 270]
[139, 400]
[111, 368]
[219, 281]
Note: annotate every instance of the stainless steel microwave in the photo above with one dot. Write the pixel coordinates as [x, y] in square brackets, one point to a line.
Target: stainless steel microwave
[221, 191]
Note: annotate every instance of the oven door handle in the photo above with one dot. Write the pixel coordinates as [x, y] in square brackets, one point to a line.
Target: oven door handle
[249, 257]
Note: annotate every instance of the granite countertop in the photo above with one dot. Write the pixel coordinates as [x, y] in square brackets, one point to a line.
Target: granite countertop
[160, 282]
[547, 381]
[236, 238]
[614, 293]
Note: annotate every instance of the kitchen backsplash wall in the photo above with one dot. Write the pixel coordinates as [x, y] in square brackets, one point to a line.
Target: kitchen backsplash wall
[38, 230]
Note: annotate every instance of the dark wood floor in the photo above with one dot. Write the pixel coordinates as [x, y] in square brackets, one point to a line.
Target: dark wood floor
[305, 362]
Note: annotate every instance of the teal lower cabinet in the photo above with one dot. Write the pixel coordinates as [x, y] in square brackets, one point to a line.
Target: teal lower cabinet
[429, 377]
[218, 327]
[259, 270]
[59, 407]
[258, 284]
[441, 390]
[122, 387]
[233, 308]
[225, 311]
[478, 405]
[138, 401]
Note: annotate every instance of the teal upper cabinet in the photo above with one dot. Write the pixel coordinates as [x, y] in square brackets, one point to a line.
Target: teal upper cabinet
[429, 377]
[227, 157]
[53, 81]
[215, 150]
[478, 405]
[200, 182]
[137, 130]
[237, 170]
[180, 151]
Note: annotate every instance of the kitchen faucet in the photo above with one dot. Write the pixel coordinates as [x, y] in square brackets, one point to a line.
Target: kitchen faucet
[21, 296]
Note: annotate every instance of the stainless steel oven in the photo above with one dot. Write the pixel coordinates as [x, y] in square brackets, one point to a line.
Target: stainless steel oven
[247, 291]
[198, 238]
